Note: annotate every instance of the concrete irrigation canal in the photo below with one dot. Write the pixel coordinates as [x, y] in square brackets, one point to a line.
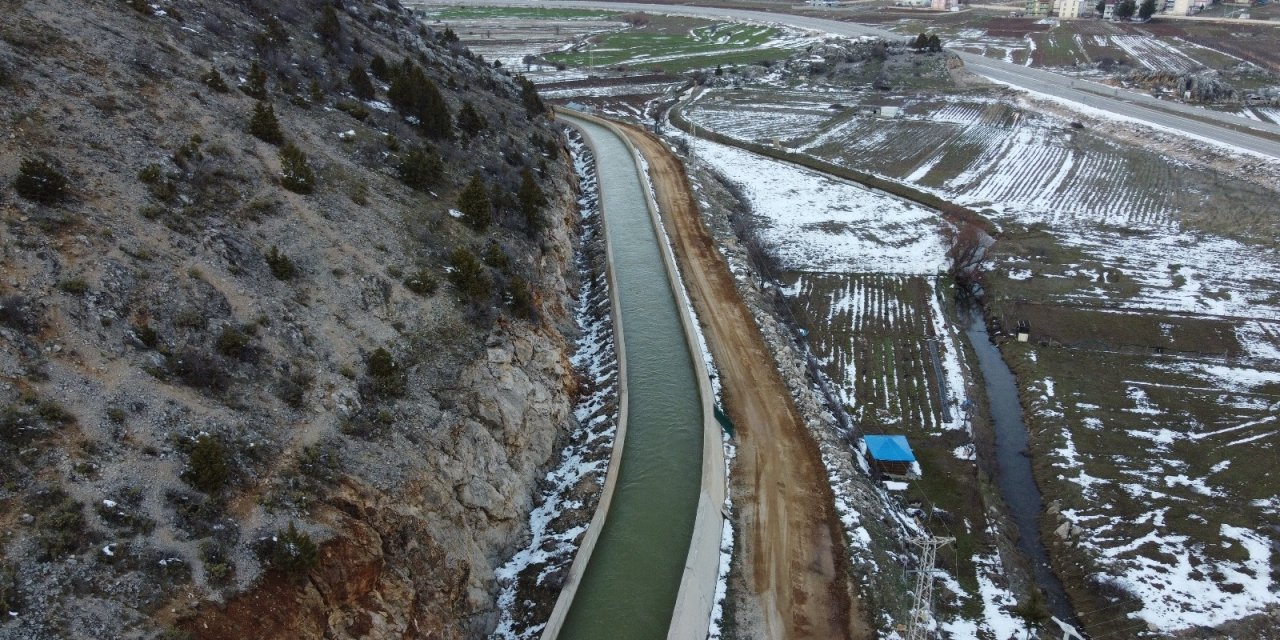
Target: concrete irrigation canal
[635, 557]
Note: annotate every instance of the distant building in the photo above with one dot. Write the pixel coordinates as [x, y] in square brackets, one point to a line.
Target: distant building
[890, 455]
[1070, 8]
[881, 110]
[1038, 8]
[824, 3]
[1109, 10]
[945, 5]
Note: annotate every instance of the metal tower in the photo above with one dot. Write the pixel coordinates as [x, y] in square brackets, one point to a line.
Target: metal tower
[922, 610]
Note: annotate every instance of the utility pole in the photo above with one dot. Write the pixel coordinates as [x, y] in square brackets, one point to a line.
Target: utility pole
[922, 610]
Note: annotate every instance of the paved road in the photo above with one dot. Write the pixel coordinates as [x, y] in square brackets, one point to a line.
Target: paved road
[1135, 105]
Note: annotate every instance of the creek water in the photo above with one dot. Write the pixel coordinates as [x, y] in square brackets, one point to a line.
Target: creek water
[1017, 485]
[629, 588]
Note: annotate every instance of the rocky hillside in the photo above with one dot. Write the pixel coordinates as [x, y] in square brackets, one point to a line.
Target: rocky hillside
[282, 314]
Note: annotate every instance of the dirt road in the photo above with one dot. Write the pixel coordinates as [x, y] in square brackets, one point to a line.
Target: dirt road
[790, 539]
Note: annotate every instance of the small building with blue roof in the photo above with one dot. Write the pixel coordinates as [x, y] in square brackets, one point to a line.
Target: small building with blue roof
[890, 454]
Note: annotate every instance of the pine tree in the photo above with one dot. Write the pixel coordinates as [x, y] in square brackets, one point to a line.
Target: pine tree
[255, 84]
[264, 125]
[328, 27]
[470, 122]
[474, 204]
[921, 43]
[294, 552]
[468, 276]
[214, 81]
[531, 201]
[420, 168]
[1147, 9]
[529, 96]
[414, 95]
[378, 66]
[38, 181]
[935, 43]
[209, 471]
[361, 86]
[296, 173]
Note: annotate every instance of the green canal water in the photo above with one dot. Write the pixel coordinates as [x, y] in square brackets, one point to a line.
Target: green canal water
[630, 585]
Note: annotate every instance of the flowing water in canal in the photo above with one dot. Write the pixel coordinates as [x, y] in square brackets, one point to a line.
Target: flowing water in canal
[630, 584]
[1017, 485]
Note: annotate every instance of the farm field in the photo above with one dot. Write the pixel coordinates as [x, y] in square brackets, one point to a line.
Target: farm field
[1152, 288]
[680, 44]
[1163, 473]
[508, 34]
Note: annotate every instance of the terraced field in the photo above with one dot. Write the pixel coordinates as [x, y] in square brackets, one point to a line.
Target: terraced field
[871, 332]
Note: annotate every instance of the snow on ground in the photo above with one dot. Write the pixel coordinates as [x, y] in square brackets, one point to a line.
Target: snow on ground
[949, 353]
[820, 223]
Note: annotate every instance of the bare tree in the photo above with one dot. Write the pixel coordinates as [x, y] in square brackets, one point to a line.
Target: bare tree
[967, 251]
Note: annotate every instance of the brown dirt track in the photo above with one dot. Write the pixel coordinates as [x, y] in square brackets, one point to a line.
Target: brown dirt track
[790, 541]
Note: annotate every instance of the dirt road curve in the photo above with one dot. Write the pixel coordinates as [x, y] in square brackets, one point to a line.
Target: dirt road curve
[790, 539]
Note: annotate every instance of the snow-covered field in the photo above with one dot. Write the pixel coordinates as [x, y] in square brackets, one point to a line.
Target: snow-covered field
[1127, 209]
[818, 223]
[1162, 481]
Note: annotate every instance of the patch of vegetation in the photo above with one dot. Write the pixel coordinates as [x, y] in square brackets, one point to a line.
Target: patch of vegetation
[17, 312]
[422, 282]
[234, 343]
[219, 568]
[529, 97]
[213, 80]
[470, 122]
[38, 181]
[124, 512]
[293, 551]
[361, 86]
[353, 109]
[60, 524]
[292, 387]
[255, 84]
[281, 266]
[474, 204]
[386, 378]
[296, 172]
[53, 413]
[199, 370]
[468, 276]
[532, 201]
[264, 125]
[309, 479]
[74, 286]
[146, 335]
[420, 168]
[207, 467]
[414, 95]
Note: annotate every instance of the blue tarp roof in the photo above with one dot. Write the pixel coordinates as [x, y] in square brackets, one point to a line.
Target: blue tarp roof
[889, 448]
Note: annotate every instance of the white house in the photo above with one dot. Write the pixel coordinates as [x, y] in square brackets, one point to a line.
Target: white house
[1070, 8]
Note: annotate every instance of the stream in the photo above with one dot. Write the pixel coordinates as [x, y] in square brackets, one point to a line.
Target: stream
[1017, 485]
